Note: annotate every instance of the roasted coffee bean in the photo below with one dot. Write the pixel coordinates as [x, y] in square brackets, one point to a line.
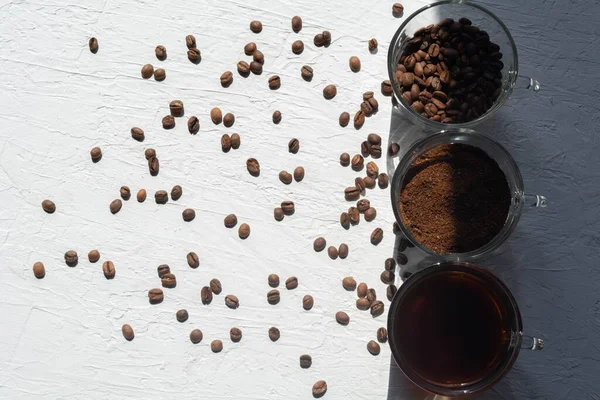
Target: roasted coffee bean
[244, 231]
[168, 122]
[329, 92]
[377, 308]
[358, 162]
[296, 24]
[256, 26]
[176, 192]
[370, 214]
[235, 141]
[49, 206]
[39, 271]
[344, 159]
[390, 264]
[147, 71]
[226, 79]
[193, 125]
[176, 108]
[291, 283]
[373, 45]
[235, 334]
[305, 361]
[253, 167]
[363, 205]
[206, 295]
[93, 256]
[342, 318]
[307, 73]
[161, 197]
[402, 259]
[354, 215]
[333, 253]
[228, 120]
[374, 139]
[273, 297]
[386, 88]
[298, 174]
[274, 82]
[243, 68]
[150, 153]
[273, 280]
[225, 143]
[369, 182]
[190, 41]
[298, 47]
[153, 166]
[360, 183]
[343, 251]
[127, 332]
[258, 56]
[319, 389]
[196, 336]
[215, 286]
[188, 214]
[388, 277]
[363, 304]
[216, 115]
[108, 268]
[93, 44]
[371, 295]
[345, 220]
[182, 315]
[162, 270]
[376, 151]
[351, 193]
[294, 146]
[256, 68]
[288, 207]
[376, 236]
[230, 221]
[354, 64]
[344, 119]
[276, 117]
[373, 347]
[194, 55]
[349, 283]
[160, 74]
[319, 40]
[96, 154]
[216, 346]
[359, 119]
[250, 48]
[382, 335]
[115, 206]
[274, 334]
[383, 180]
[308, 302]
[327, 38]
[402, 244]
[365, 148]
[161, 52]
[397, 10]
[168, 281]
[137, 134]
[319, 244]
[193, 260]
[155, 296]
[362, 290]
[285, 177]
[406, 275]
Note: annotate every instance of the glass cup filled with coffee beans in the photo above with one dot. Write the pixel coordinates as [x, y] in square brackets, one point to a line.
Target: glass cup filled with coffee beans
[458, 195]
[453, 63]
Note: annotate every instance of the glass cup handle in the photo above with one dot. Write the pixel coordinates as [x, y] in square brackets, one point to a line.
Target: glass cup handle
[532, 343]
[535, 201]
[528, 83]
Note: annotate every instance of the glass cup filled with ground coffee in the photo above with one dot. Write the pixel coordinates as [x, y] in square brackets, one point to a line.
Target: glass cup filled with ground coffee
[453, 62]
[455, 329]
[458, 195]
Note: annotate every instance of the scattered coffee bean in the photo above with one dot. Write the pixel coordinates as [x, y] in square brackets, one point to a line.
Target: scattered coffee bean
[327, 38]
[49, 206]
[370, 214]
[225, 143]
[332, 252]
[388, 277]
[194, 56]
[390, 264]
[115, 206]
[235, 141]
[216, 346]
[168, 122]
[161, 197]
[276, 117]
[349, 283]
[93, 44]
[216, 115]
[274, 334]
[253, 167]
[127, 332]
[273, 297]
[39, 271]
[230, 221]
[188, 214]
[386, 88]
[369, 182]
[376, 151]
[147, 71]
[307, 73]
[193, 260]
[298, 47]
[226, 79]
[162, 270]
[294, 146]
[402, 244]
[190, 41]
[371, 295]
[250, 48]
[305, 361]
[296, 24]
[308, 302]
[344, 159]
[291, 283]
[196, 336]
[274, 82]
[108, 268]
[155, 296]
[359, 119]
[168, 281]
[160, 74]
[372, 170]
[362, 290]
[382, 335]
[383, 181]
[256, 68]
[182, 315]
[243, 68]
[176, 108]
[244, 231]
[344, 119]
[319, 244]
[235, 334]
[141, 195]
[363, 304]
[365, 149]
[329, 92]
[176, 192]
[273, 280]
[351, 193]
[256, 26]
[161, 52]
[358, 162]
[319, 389]
[153, 166]
[373, 45]
[206, 295]
[96, 154]
[93, 256]
[374, 138]
[319, 40]
[363, 205]
[402, 259]
[193, 125]
[376, 236]
[150, 153]
[354, 63]
[354, 215]
[288, 207]
[299, 174]
[285, 177]
[397, 10]
[377, 308]
[342, 318]
[373, 347]
[393, 149]
[215, 286]
[137, 134]
[406, 275]
[345, 220]
[258, 56]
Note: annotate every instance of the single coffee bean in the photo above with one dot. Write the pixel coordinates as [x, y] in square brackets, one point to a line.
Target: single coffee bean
[141, 195]
[319, 40]
[371, 295]
[196, 336]
[250, 48]
[108, 268]
[388, 277]
[291, 283]
[188, 214]
[349, 283]
[386, 88]
[147, 71]
[370, 214]
[397, 10]
[235, 141]
[294, 146]
[305, 361]
[216, 346]
[190, 41]
[243, 68]
[329, 92]
[168, 122]
[344, 119]
[308, 302]
[39, 271]
[137, 134]
[276, 117]
[160, 74]
[155, 296]
[382, 335]
[226, 79]
[319, 389]
[369, 182]
[377, 308]
[363, 304]
[365, 148]
[256, 26]
[298, 47]
[244, 231]
[193, 260]
[372, 170]
[194, 56]
[230, 221]
[307, 73]
[319, 244]
[373, 347]
[288, 207]
[225, 143]
[299, 174]
[273, 280]
[345, 220]
[162, 270]
[115, 206]
[342, 318]
[274, 334]
[161, 197]
[253, 167]
[182, 315]
[96, 154]
[168, 281]
[354, 215]
[256, 68]
[285, 177]
[206, 295]
[354, 63]
[93, 44]
[351, 193]
[258, 56]
[235, 334]
[274, 82]
[93, 256]
[149, 153]
[376, 236]
[362, 290]
[215, 286]
[127, 332]
[216, 115]
[368, 95]
[332, 252]
[373, 45]
[363, 205]
[359, 119]
[49, 206]
[327, 38]
[161, 52]
[374, 138]
[358, 162]
[402, 259]
[296, 24]
[383, 181]
[193, 125]
[344, 159]
[402, 244]
[390, 264]
[176, 108]
[176, 192]
[343, 251]
[273, 297]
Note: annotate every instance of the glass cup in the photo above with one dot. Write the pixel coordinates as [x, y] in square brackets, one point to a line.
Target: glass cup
[481, 17]
[507, 164]
[433, 342]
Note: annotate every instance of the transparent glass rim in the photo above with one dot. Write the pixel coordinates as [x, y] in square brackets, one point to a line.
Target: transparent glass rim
[416, 150]
[392, 66]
